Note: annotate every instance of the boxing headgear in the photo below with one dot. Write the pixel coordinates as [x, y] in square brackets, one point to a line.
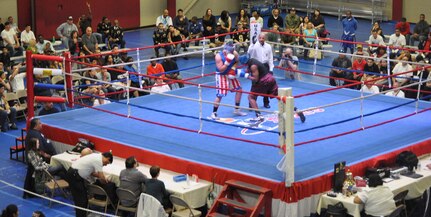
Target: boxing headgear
[229, 47]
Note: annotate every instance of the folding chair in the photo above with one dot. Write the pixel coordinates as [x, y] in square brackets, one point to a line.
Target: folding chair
[400, 199]
[53, 185]
[126, 195]
[95, 193]
[397, 211]
[188, 212]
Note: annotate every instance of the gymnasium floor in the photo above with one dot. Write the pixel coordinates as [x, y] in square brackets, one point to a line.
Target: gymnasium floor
[14, 172]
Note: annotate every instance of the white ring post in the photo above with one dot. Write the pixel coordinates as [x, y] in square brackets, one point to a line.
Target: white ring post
[388, 50]
[316, 49]
[362, 107]
[139, 68]
[419, 90]
[286, 137]
[200, 108]
[128, 93]
[203, 57]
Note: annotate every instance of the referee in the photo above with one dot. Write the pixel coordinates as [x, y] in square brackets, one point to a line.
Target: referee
[262, 52]
[83, 171]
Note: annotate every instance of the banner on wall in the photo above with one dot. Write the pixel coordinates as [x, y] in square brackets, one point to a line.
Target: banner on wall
[255, 29]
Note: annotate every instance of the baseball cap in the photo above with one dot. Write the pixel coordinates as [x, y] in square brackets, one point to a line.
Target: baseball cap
[70, 18]
[293, 9]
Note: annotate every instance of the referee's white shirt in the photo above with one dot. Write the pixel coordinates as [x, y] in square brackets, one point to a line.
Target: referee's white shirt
[263, 53]
[87, 165]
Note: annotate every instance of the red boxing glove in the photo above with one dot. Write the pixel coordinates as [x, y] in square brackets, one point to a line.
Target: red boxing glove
[229, 58]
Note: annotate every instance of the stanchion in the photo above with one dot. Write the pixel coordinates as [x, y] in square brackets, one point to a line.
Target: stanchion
[286, 137]
[203, 57]
[68, 80]
[200, 108]
[30, 88]
[388, 59]
[128, 94]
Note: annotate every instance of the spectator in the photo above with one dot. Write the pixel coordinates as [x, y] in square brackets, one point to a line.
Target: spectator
[4, 81]
[240, 38]
[171, 67]
[209, 23]
[6, 112]
[35, 159]
[376, 26]
[104, 28]
[309, 38]
[359, 49]
[135, 81]
[225, 22]
[89, 41]
[398, 40]
[156, 188]
[340, 65]
[132, 179]
[425, 45]
[41, 44]
[16, 78]
[10, 40]
[181, 23]
[381, 53]
[374, 41]
[174, 35]
[106, 87]
[160, 86]
[165, 19]
[154, 70]
[117, 36]
[256, 18]
[358, 70]
[318, 22]
[32, 46]
[48, 108]
[287, 38]
[403, 71]
[304, 23]
[116, 54]
[10, 211]
[75, 44]
[275, 18]
[290, 62]
[404, 28]
[65, 30]
[275, 36]
[14, 25]
[350, 25]
[395, 92]
[293, 21]
[5, 59]
[371, 69]
[46, 148]
[92, 88]
[47, 50]
[83, 170]
[195, 29]
[378, 200]
[26, 36]
[38, 213]
[369, 86]
[421, 30]
[242, 18]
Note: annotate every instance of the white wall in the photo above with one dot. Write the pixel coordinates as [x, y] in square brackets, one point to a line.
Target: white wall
[217, 6]
[150, 10]
[412, 9]
[9, 8]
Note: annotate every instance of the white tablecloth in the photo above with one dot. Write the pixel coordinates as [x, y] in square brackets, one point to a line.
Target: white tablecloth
[416, 188]
[194, 193]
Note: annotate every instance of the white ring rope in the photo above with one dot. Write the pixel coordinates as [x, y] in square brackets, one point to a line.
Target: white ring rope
[56, 201]
[362, 97]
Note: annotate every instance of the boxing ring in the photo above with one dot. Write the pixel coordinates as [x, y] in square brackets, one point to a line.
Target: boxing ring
[172, 131]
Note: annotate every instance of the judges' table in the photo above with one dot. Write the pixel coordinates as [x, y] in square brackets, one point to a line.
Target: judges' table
[416, 188]
[194, 193]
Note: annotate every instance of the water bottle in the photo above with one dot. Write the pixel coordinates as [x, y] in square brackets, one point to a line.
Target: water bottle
[53, 40]
[419, 167]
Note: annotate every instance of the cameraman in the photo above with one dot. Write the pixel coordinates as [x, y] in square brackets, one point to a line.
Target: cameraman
[16, 79]
[290, 62]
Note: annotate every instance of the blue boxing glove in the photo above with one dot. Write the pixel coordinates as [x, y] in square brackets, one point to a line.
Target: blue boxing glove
[243, 59]
[242, 73]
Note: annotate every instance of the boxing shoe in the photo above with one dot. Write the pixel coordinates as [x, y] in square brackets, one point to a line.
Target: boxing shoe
[214, 116]
[266, 106]
[239, 112]
[300, 114]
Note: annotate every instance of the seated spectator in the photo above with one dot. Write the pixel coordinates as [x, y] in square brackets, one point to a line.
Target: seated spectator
[156, 188]
[240, 38]
[378, 200]
[26, 36]
[369, 86]
[32, 47]
[219, 39]
[421, 30]
[89, 41]
[14, 25]
[318, 22]
[174, 35]
[35, 159]
[309, 38]
[195, 29]
[360, 49]
[358, 65]
[160, 36]
[374, 41]
[41, 44]
[396, 93]
[371, 69]
[85, 21]
[48, 108]
[256, 18]
[290, 62]
[5, 59]
[160, 86]
[38, 213]
[303, 25]
[340, 64]
[46, 148]
[292, 21]
[38, 91]
[75, 44]
[117, 36]
[404, 28]
[209, 23]
[426, 46]
[10, 211]
[381, 53]
[104, 75]
[116, 55]
[65, 30]
[92, 88]
[164, 19]
[154, 69]
[242, 18]
[7, 113]
[132, 179]
[182, 23]
[10, 41]
[4, 81]
[16, 78]
[47, 50]
[225, 22]
[403, 71]
[171, 68]
[104, 28]
[376, 26]
[398, 40]
[135, 80]
[275, 18]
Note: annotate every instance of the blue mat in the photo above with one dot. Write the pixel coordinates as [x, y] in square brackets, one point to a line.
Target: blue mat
[310, 160]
